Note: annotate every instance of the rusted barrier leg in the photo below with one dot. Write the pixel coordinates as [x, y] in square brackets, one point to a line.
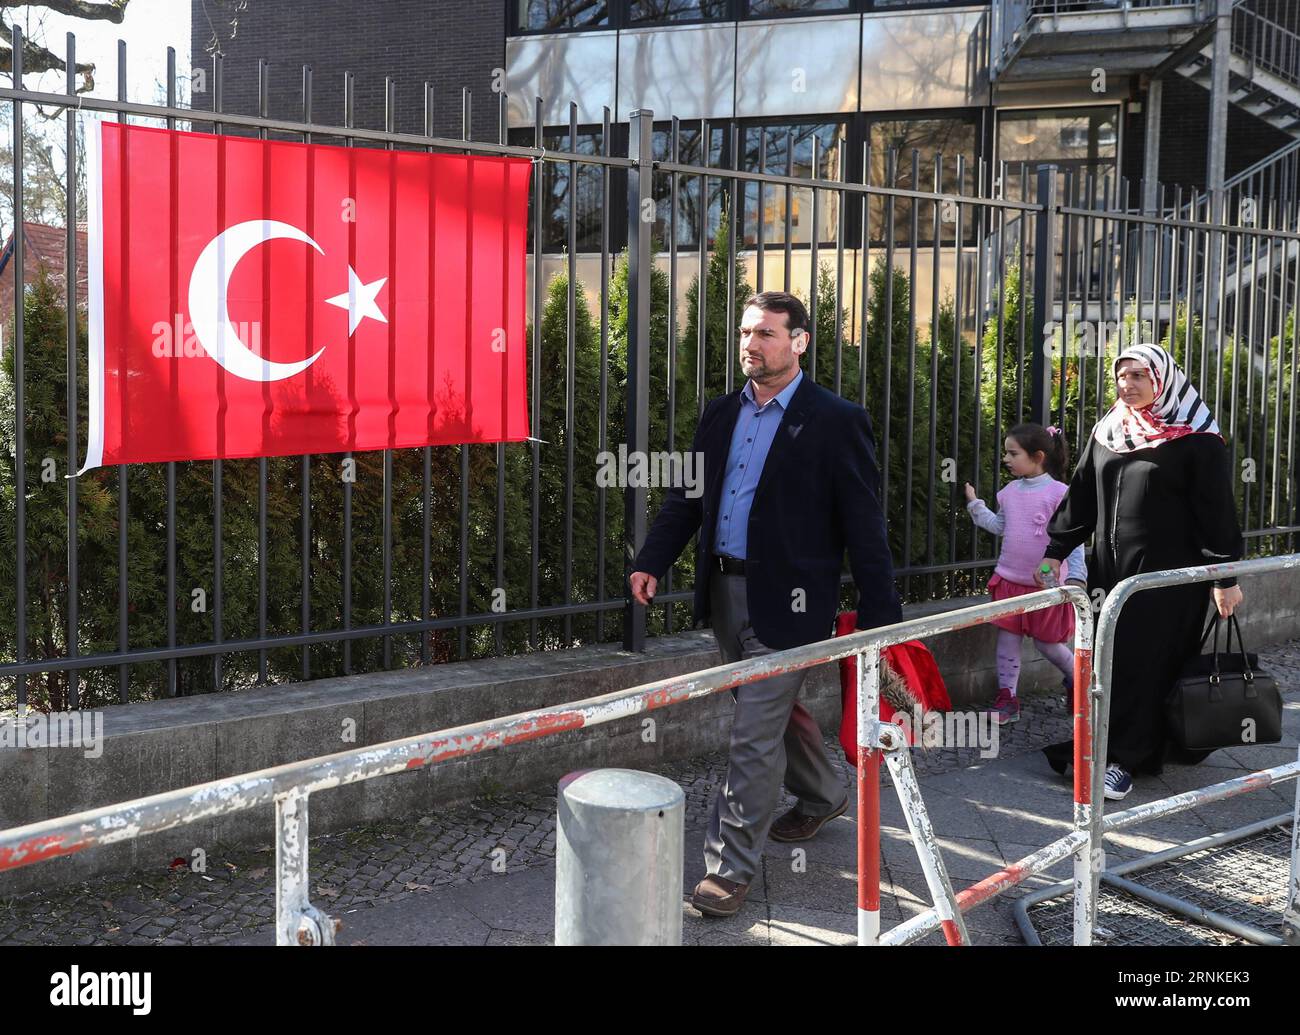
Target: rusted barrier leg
[1291, 917]
[899, 760]
[868, 680]
[1085, 904]
[297, 921]
[1088, 890]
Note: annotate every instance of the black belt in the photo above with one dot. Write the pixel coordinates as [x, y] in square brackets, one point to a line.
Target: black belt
[729, 565]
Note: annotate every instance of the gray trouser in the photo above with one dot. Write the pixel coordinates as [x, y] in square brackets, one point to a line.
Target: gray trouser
[773, 738]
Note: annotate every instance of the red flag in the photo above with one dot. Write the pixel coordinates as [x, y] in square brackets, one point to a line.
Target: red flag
[267, 298]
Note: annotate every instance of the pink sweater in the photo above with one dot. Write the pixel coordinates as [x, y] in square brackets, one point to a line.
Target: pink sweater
[1025, 506]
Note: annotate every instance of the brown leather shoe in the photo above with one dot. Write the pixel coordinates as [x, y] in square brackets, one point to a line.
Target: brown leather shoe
[717, 896]
[795, 826]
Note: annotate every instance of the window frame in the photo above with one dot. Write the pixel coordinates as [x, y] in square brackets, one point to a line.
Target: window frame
[737, 11]
[857, 129]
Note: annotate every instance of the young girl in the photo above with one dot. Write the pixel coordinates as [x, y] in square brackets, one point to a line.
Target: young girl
[1037, 457]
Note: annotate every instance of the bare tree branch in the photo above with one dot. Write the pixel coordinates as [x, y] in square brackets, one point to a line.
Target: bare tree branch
[37, 58]
[111, 10]
[234, 7]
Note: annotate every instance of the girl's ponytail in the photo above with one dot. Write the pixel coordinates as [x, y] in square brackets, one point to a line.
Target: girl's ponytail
[1050, 441]
[1058, 456]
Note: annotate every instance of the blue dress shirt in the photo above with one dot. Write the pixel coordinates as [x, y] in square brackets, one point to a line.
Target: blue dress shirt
[751, 439]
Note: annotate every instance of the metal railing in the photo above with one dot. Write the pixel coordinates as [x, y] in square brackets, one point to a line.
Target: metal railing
[1107, 622]
[290, 786]
[1086, 841]
[1265, 43]
[1011, 19]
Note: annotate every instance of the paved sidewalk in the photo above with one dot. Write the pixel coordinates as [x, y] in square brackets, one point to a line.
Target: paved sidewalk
[431, 880]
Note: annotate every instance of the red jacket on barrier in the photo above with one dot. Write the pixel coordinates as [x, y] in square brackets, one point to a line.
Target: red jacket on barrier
[909, 675]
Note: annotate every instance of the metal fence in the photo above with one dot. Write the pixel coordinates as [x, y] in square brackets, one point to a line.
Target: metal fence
[935, 308]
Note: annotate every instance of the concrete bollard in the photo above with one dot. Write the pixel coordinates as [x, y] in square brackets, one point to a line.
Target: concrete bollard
[618, 859]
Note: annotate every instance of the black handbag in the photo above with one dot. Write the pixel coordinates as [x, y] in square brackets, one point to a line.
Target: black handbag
[1223, 700]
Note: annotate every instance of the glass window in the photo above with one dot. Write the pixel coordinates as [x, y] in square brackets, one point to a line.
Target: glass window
[880, 5]
[689, 152]
[790, 147]
[762, 8]
[550, 15]
[935, 141]
[1079, 140]
[641, 12]
[588, 197]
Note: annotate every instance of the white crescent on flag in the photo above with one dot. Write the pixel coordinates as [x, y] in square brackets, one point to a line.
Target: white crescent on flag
[209, 282]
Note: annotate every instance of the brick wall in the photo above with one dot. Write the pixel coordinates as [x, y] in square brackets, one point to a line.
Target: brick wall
[449, 44]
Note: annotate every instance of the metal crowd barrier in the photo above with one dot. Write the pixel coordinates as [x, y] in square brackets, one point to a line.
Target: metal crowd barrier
[1086, 841]
[289, 786]
[1098, 826]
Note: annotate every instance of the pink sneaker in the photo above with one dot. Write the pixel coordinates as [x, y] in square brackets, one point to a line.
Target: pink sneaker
[1007, 707]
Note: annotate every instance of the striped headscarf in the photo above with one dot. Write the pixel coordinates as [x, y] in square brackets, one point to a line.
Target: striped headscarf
[1176, 410]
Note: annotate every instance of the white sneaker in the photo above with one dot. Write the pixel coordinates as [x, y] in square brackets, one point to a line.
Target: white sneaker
[1118, 782]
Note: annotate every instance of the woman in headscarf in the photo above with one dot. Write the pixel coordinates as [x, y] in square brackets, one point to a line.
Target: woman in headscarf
[1154, 488]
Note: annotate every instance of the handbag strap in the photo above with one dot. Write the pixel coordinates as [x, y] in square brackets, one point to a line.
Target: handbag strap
[1214, 618]
[1215, 677]
[1232, 624]
[1247, 673]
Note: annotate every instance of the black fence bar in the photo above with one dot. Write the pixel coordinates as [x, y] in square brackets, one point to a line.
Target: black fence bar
[674, 152]
[639, 195]
[217, 632]
[466, 118]
[123, 524]
[535, 422]
[499, 584]
[20, 377]
[887, 383]
[570, 372]
[304, 531]
[789, 187]
[348, 132]
[390, 122]
[349, 461]
[173, 687]
[813, 262]
[932, 404]
[914, 214]
[841, 199]
[263, 101]
[761, 240]
[602, 434]
[1066, 323]
[959, 239]
[70, 302]
[1044, 296]
[148, 655]
[735, 217]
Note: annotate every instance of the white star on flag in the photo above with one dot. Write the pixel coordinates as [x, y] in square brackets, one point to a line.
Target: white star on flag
[359, 300]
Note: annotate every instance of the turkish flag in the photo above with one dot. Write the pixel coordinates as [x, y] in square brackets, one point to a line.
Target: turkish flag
[268, 298]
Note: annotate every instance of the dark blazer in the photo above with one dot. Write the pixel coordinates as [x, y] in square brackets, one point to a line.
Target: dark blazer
[819, 493]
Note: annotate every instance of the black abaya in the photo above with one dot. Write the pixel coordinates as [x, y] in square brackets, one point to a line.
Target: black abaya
[1166, 506]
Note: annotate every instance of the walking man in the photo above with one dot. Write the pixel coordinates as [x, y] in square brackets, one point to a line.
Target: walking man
[790, 481]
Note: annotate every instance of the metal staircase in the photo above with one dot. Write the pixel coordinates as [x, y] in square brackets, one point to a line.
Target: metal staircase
[1038, 39]
[1042, 39]
[1264, 69]
[1055, 39]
